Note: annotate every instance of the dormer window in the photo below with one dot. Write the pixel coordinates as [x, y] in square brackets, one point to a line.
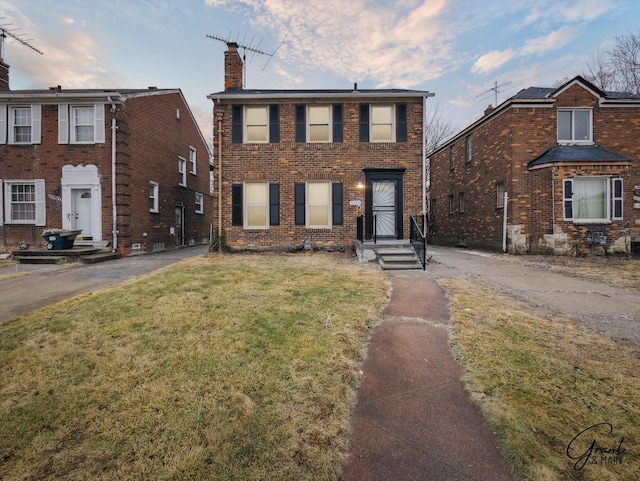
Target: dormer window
[575, 126]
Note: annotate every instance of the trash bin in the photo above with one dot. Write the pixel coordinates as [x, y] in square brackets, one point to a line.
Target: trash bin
[60, 240]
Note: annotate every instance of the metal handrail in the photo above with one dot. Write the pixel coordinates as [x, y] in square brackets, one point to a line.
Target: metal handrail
[375, 229]
[418, 240]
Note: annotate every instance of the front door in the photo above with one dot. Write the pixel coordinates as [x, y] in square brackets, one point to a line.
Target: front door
[179, 225]
[81, 218]
[384, 208]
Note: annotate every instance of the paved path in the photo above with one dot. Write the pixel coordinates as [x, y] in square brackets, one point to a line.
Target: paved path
[48, 284]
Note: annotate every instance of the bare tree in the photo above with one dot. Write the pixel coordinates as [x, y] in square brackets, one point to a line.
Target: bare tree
[599, 71]
[436, 129]
[618, 68]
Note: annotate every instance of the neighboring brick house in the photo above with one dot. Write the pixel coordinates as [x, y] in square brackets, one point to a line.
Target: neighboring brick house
[304, 165]
[567, 157]
[57, 158]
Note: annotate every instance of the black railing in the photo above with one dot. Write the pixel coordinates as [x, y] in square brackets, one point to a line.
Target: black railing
[419, 240]
[375, 229]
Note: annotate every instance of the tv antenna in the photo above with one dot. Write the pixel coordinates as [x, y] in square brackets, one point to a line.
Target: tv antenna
[16, 37]
[496, 89]
[247, 47]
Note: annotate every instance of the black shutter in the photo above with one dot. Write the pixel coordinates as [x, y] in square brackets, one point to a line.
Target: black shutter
[337, 123]
[274, 204]
[401, 123]
[274, 124]
[300, 204]
[236, 204]
[301, 124]
[236, 124]
[336, 200]
[364, 122]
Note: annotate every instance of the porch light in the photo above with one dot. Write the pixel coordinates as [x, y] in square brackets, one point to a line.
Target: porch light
[360, 186]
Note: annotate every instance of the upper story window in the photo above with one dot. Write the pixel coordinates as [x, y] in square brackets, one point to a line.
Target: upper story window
[256, 126]
[24, 202]
[452, 157]
[23, 124]
[383, 123]
[469, 149]
[575, 126]
[319, 128]
[153, 197]
[182, 172]
[318, 123]
[81, 124]
[199, 202]
[192, 160]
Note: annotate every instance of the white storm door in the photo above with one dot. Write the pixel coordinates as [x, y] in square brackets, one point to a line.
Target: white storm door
[81, 212]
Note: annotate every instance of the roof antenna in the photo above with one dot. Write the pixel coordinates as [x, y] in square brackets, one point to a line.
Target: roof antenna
[496, 89]
[5, 32]
[246, 48]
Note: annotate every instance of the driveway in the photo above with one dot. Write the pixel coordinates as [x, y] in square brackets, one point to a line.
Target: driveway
[615, 312]
[48, 284]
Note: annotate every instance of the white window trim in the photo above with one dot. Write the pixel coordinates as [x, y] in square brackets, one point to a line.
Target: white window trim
[36, 114]
[182, 170]
[329, 126]
[156, 201]
[200, 209]
[469, 149]
[192, 160]
[245, 208]
[608, 201]
[393, 123]
[573, 126]
[307, 197]
[245, 125]
[40, 205]
[67, 125]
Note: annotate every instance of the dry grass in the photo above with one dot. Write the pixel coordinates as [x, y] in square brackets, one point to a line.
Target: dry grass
[541, 381]
[229, 367]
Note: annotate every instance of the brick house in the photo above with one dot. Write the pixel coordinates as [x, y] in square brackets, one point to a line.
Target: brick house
[300, 167]
[568, 160]
[144, 189]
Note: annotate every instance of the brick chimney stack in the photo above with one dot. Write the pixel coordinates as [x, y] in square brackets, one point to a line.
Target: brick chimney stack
[232, 67]
[4, 76]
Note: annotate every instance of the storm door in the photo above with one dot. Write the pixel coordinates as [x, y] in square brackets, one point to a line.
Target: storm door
[384, 208]
[383, 203]
[81, 209]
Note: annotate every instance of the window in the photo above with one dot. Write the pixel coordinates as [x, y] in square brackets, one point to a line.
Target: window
[256, 128]
[199, 201]
[24, 202]
[452, 158]
[153, 197]
[21, 130]
[24, 124]
[500, 195]
[192, 160]
[451, 206]
[574, 125]
[318, 205]
[469, 149]
[319, 128]
[81, 124]
[381, 123]
[182, 176]
[255, 205]
[588, 199]
[461, 202]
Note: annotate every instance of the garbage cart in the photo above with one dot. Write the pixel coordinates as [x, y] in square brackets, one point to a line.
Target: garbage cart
[62, 239]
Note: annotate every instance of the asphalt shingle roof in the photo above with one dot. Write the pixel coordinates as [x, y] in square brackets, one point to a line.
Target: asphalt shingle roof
[577, 153]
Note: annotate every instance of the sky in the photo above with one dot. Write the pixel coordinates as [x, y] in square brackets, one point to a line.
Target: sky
[459, 49]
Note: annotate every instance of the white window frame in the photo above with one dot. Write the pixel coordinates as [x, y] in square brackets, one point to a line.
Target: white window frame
[309, 205]
[392, 124]
[461, 202]
[182, 172]
[329, 124]
[192, 160]
[570, 199]
[154, 191]
[249, 203]
[67, 124]
[573, 139]
[35, 112]
[247, 126]
[500, 195]
[199, 203]
[469, 148]
[39, 202]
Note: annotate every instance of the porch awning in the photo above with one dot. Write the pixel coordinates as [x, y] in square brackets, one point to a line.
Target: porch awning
[583, 154]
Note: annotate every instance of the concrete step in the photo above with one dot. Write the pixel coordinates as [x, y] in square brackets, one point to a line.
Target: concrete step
[389, 266]
[99, 257]
[41, 260]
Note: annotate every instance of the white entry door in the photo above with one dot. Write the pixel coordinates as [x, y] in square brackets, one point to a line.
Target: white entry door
[81, 218]
[384, 208]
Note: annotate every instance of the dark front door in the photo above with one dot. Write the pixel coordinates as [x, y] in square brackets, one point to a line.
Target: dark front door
[179, 225]
[383, 203]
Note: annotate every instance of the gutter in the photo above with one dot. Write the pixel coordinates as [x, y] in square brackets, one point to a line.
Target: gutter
[114, 204]
[219, 115]
[243, 95]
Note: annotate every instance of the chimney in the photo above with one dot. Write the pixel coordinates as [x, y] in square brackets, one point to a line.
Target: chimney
[488, 110]
[4, 76]
[232, 67]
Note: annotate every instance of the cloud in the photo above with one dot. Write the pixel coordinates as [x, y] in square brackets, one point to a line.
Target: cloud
[399, 44]
[552, 41]
[568, 11]
[492, 60]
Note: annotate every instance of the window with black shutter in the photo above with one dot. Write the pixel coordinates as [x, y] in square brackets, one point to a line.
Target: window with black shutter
[301, 133]
[236, 204]
[236, 124]
[337, 123]
[274, 124]
[299, 204]
[274, 204]
[336, 199]
[364, 122]
[401, 123]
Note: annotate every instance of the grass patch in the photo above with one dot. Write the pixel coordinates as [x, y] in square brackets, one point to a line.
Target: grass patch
[540, 381]
[226, 367]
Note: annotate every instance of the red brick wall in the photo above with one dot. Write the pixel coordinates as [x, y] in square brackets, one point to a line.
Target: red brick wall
[289, 162]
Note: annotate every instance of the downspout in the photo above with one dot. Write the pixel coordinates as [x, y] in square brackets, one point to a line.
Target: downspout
[424, 162]
[219, 115]
[504, 223]
[114, 205]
